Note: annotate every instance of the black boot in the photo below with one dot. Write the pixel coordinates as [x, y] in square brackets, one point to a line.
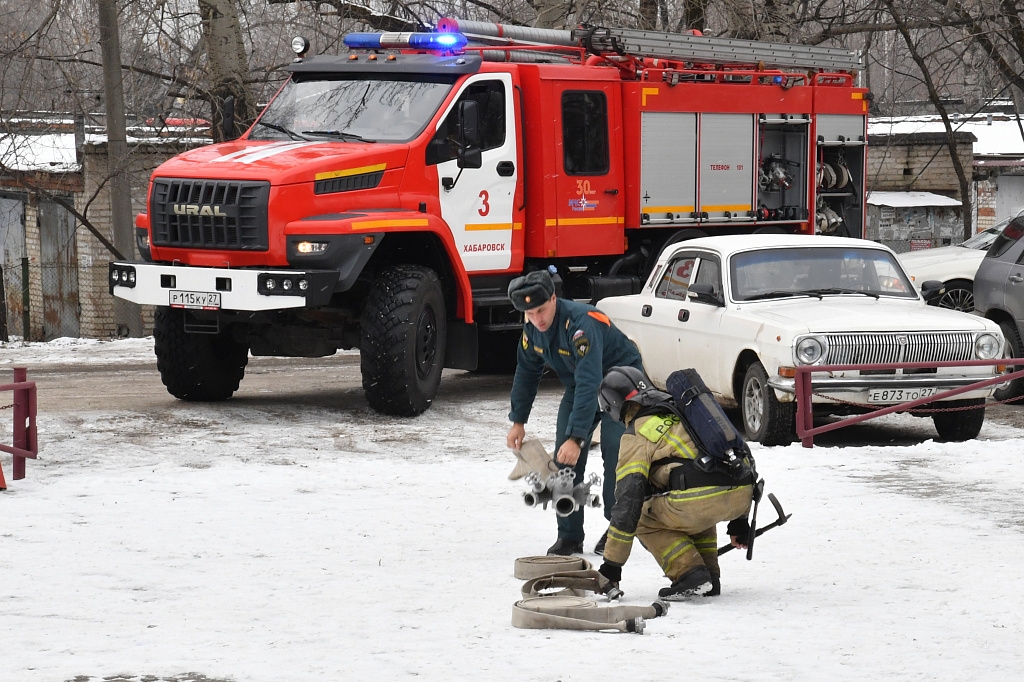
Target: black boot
[693, 583]
[716, 587]
[566, 547]
[599, 547]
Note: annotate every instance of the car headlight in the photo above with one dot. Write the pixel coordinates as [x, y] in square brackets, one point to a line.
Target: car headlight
[986, 347]
[809, 350]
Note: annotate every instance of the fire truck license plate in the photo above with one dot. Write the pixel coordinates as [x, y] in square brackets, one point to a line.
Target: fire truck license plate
[898, 395]
[201, 300]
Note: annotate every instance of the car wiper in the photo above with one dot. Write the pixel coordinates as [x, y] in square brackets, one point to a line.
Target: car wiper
[828, 292]
[281, 129]
[780, 293]
[347, 137]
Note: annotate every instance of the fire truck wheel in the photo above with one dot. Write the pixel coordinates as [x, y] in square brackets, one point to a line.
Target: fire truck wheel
[404, 335]
[196, 367]
[765, 419]
[960, 425]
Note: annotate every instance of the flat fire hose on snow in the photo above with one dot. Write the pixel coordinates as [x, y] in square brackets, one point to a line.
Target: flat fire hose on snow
[566, 609]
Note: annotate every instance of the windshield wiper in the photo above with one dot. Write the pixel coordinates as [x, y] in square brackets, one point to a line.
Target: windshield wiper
[281, 129]
[347, 137]
[826, 292]
[780, 293]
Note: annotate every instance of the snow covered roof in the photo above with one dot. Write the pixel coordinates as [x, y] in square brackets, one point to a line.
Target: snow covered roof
[51, 153]
[910, 199]
[999, 135]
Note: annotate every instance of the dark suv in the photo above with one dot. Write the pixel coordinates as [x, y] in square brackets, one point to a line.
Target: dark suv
[999, 294]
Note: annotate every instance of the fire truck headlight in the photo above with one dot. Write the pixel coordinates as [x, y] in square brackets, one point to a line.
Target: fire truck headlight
[986, 347]
[271, 285]
[303, 285]
[286, 285]
[311, 247]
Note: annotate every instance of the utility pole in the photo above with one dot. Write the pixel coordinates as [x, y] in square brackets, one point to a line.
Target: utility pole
[127, 315]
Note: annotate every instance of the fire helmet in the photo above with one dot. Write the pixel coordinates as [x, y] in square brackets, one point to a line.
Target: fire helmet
[623, 385]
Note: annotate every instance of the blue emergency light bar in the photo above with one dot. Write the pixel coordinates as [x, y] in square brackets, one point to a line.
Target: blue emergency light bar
[443, 42]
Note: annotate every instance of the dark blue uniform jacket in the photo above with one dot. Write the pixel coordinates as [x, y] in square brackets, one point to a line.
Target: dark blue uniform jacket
[581, 346]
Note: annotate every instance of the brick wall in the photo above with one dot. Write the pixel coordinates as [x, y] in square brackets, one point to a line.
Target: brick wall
[97, 319]
[986, 203]
[917, 163]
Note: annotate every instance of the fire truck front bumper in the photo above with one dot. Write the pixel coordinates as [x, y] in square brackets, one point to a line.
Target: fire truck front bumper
[200, 288]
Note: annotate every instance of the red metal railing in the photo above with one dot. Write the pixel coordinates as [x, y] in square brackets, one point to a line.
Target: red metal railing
[806, 430]
[24, 445]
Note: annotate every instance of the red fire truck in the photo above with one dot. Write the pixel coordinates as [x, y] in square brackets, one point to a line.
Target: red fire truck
[385, 198]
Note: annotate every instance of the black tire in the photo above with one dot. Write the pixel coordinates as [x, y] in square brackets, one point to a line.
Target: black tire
[960, 425]
[404, 336]
[196, 367]
[496, 352]
[959, 295]
[770, 230]
[765, 419]
[1014, 349]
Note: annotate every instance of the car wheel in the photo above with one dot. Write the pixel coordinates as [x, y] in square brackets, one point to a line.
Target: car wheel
[960, 425]
[1014, 349]
[765, 419]
[959, 296]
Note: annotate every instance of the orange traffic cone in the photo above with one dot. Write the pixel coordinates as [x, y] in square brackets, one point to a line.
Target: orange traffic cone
[3, 483]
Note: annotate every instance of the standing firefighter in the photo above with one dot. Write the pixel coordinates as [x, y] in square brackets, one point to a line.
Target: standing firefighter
[580, 343]
[663, 497]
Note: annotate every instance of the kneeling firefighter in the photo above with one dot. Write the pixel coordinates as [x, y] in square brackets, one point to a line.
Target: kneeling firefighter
[663, 496]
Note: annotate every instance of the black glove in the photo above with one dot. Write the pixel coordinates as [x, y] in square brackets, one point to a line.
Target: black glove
[611, 571]
[739, 528]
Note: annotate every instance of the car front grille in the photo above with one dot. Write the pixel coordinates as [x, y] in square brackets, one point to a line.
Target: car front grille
[210, 214]
[855, 349]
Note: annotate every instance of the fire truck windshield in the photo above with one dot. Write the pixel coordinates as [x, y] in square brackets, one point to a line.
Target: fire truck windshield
[351, 110]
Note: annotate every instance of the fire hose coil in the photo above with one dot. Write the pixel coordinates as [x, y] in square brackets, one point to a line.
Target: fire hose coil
[529, 567]
[566, 609]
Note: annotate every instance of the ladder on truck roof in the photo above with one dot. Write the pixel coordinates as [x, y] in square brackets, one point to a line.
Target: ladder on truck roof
[653, 44]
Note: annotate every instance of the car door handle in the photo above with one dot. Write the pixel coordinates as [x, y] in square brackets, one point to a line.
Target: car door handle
[1016, 279]
[683, 315]
[611, 191]
[506, 169]
[646, 311]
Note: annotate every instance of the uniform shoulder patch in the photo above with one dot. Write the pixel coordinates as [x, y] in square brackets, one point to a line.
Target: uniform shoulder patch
[655, 428]
[526, 342]
[581, 344]
[600, 317]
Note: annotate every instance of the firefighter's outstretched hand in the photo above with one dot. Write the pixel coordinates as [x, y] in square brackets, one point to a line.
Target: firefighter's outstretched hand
[608, 582]
[739, 531]
[569, 453]
[515, 436]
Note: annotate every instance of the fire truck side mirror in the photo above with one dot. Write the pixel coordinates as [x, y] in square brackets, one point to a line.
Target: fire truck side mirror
[469, 124]
[470, 157]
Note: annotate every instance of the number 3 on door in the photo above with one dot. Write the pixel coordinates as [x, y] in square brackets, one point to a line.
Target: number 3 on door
[486, 207]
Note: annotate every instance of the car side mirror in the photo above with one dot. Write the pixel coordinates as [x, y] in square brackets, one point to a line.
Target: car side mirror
[932, 290]
[470, 157]
[469, 124]
[703, 293]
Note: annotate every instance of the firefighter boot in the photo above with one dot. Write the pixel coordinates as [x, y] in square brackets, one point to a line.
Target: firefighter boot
[693, 583]
[565, 547]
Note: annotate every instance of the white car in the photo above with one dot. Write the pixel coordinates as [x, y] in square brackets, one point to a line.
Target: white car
[954, 266]
[746, 310]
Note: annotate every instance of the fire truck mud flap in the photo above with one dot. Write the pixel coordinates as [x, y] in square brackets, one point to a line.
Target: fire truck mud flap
[199, 288]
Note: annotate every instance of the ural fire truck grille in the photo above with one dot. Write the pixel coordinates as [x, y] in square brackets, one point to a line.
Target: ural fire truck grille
[210, 214]
[851, 349]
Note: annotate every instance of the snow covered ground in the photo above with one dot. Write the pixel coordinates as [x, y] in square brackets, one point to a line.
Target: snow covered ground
[298, 543]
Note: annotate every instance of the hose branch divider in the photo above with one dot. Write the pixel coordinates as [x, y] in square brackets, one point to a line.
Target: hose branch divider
[553, 598]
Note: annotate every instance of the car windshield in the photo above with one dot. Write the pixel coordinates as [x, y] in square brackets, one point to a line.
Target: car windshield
[984, 239]
[800, 271]
[351, 110]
